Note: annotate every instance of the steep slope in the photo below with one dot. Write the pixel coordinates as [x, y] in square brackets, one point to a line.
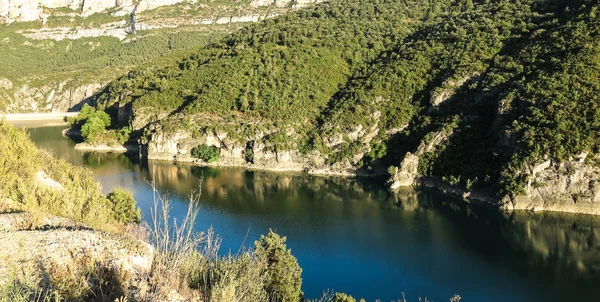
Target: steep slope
[493, 100]
[68, 50]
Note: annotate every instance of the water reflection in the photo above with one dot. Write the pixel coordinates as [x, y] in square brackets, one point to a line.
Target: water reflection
[354, 236]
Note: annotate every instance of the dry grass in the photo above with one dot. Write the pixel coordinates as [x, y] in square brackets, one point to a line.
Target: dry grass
[86, 278]
[188, 261]
[30, 221]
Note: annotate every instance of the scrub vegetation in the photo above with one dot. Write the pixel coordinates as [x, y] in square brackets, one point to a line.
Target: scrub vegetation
[38, 182]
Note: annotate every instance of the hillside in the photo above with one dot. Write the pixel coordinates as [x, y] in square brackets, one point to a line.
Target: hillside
[493, 100]
[56, 54]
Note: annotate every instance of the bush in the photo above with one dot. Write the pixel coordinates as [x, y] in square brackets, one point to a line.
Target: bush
[341, 297]
[284, 280]
[123, 205]
[208, 154]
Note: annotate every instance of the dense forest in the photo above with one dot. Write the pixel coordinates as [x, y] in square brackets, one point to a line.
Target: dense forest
[511, 83]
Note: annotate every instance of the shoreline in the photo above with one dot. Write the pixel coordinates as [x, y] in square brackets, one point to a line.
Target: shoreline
[37, 117]
[479, 197]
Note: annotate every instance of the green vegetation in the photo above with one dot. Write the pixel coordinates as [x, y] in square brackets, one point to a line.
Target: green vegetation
[208, 154]
[91, 122]
[124, 206]
[184, 261]
[38, 182]
[511, 83]
[284, 280]
[85, 59]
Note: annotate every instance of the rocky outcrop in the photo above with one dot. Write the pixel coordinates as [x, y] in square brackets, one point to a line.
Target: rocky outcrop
[32, 10]
[118, 30]
[446, 91]
[117, 148]
[44, 180]
[283, 3]
[407, 174]
[570, 186]
[34, 244]
[51, 97]
[177, 147]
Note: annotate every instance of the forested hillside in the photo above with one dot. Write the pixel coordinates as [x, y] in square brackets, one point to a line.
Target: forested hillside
[479, 91]
[63, 55]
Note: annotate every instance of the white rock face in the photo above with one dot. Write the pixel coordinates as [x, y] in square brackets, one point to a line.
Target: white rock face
[72, 4]
[5, 83]
[570, 186]
[44, 180]
[151, 4]
[52, 97]
[96, 6]
[115, 29]
[31, 10]
[407, 173]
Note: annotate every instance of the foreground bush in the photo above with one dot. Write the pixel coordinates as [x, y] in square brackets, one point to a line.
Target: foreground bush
[124, 206]
[284, 281]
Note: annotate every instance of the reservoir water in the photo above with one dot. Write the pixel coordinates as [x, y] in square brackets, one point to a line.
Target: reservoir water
[352, 235]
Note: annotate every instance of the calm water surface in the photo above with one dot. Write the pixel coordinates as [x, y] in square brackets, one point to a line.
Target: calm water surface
[351, 235]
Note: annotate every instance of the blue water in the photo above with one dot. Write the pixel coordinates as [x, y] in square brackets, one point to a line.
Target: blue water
[353, 236]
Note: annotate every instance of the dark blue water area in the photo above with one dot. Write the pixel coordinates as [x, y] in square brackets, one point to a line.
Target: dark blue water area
[354, 236]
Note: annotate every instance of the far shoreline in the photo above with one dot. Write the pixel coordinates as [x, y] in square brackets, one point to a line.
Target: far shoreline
[36, 120]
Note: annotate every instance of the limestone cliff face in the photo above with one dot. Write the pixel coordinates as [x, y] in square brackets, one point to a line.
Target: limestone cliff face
[236, 149]
[177, 146]
[570, 186]
[407, 174]
[51, 97]
[32, 10]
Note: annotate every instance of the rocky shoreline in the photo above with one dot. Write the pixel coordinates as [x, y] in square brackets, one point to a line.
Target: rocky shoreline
[572, 186]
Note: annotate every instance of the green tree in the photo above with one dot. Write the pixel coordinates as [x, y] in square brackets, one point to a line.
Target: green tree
[123, 205]
[92, 122]
[284, 280]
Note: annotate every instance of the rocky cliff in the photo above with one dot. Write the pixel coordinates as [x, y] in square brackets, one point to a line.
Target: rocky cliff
[256, 151]
[32, 10]
[67, 95]
[568, 186]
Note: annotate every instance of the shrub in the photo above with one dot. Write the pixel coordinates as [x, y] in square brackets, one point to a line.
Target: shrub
[341, 297]
[123, 205]
[208, 154]
[284, 280]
